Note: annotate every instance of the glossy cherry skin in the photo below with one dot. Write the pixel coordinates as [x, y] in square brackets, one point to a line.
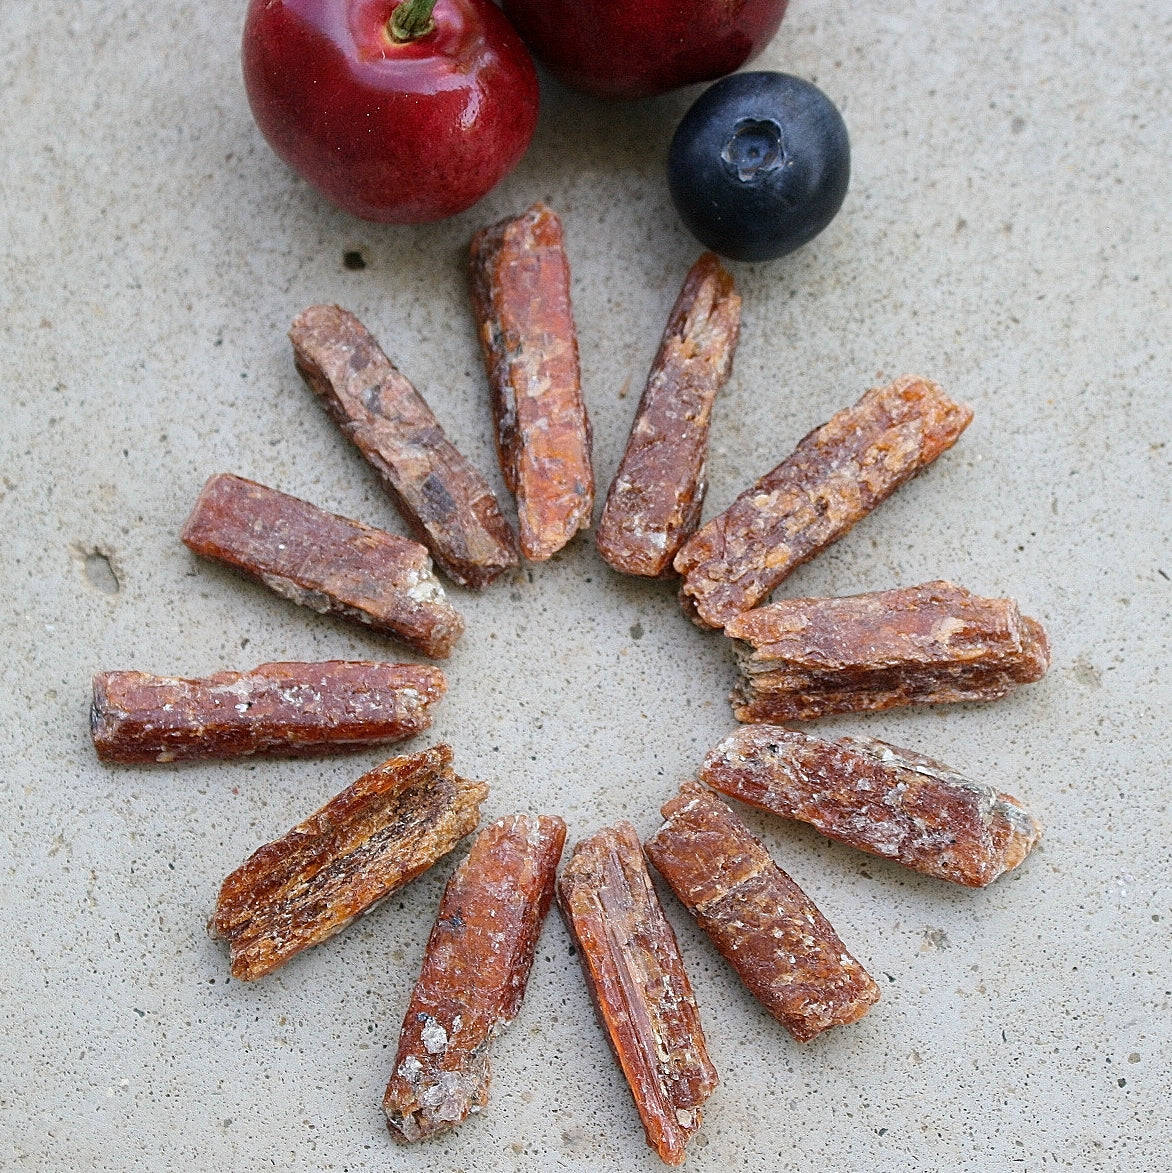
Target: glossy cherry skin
[400, 133]
[638, 48]
[759, 165]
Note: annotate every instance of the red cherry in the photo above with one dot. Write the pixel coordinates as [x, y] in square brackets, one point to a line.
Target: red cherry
[402, 132]
[637, 48]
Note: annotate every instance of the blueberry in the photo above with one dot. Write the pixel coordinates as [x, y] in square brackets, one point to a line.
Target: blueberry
[759, 165]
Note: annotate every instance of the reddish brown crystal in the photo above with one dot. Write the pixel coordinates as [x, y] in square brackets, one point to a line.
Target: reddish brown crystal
[768, 929]
[923, 645]
[521, 298]
[655, 499]
[280, 709]
[365, 843]
[834, 478]
[446, 502]
[325, 562]
[474, 974]
[889, 801]
[636, 977]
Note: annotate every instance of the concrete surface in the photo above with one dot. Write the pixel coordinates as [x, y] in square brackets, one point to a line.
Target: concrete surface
[1006, 233]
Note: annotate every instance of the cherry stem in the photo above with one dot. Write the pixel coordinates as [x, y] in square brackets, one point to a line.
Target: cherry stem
[411, 20]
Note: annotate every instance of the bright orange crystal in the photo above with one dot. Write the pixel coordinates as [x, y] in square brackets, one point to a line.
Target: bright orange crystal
[636, 977]
[365, 843]
[770, 932]
[474, 974]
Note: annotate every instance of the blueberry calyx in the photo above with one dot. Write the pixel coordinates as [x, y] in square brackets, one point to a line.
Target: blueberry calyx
[755, 148]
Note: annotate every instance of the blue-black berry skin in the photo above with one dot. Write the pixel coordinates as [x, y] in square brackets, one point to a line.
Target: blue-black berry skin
[759, 165]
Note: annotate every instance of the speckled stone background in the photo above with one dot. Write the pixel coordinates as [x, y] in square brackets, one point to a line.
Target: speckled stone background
[1006, 233]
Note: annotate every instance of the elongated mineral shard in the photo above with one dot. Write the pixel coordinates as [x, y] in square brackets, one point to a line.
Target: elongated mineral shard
[767, 928]
[325, 562]
[656, 496]
[366, 843]
[521, 299]
[475, 970]
[284, 709]
[446, 502]
[833, 479]
[636, 977]
[925, 645]
[889, 801]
